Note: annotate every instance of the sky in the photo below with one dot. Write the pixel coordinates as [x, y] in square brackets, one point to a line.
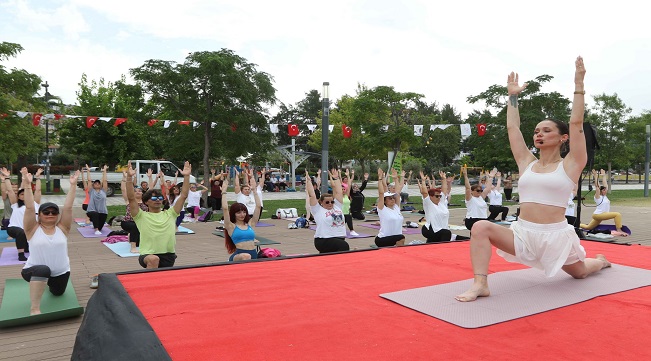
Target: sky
[446, 51]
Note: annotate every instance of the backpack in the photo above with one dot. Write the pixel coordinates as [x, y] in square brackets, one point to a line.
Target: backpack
[302, 223]
[268, 253]
[205, 217]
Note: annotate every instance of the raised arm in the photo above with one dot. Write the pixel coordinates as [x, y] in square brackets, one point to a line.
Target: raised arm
[380, 189]
[309, 188]
[595, 182]
[364, 183]
[422, 185]
[464, 170]
[577, 157]
[350, 183]
[104, 181]
[335, 183]
[29, 220]
[66, 214]
[489, 183]
[255, 217]
[7, 183]
[37, 187]
[519, 148]
[87, 185]
[163, 185]
[400, 183]
[187, 169]
[123, 187]
[228, 225]
[318, 179]
[444, 184]
[499, 181]
[131, 196]
[237, 181]
[151, 179]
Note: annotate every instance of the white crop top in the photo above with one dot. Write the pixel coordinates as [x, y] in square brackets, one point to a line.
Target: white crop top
[545, 188]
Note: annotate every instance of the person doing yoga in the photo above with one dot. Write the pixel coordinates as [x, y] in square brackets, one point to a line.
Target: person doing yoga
[239, 225]
[603, 213]
[540, 237]
[388, 210]
[330, 225]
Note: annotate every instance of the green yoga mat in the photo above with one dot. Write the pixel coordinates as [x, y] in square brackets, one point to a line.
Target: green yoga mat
[14, 310]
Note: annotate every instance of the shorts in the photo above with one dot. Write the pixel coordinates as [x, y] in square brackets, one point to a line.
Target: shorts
[251, 252]
[548, 247]
[164, 259]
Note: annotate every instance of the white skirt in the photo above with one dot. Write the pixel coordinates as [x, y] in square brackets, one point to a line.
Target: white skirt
[544, 246]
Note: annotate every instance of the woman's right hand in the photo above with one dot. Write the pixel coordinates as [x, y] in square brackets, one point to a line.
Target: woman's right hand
[512, 87]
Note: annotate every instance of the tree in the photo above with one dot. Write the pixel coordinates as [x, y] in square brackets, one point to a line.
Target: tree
[209, 87]
[609, 115]
[17, 92]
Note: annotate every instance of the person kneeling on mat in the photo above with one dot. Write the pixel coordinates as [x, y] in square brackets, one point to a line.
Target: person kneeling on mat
[157, 227]
[48, 263]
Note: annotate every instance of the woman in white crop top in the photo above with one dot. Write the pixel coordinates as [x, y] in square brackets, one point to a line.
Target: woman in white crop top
[48, 263]
[603, 212]
[541, 237]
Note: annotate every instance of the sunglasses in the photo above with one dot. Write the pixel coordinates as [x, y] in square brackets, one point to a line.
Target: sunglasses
[155, 198]
[328, 202]
[48, 212]
[437, 196]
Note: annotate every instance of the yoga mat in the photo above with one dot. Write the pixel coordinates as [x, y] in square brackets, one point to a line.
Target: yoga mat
[405, 230]
[82, 222]
[15, 307]
[89, 232]
[9, 257]
[122, 249]
[611, 227]
[4, 236]
[348, 235]
[262, 224]
[457, 228]
[183, 230]
[516, 294]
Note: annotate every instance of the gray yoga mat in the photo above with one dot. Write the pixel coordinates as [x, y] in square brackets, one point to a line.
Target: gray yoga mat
[516, 294]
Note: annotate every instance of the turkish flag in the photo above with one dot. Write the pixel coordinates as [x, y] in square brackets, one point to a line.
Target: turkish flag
[36, 119]
[184, 122]
[58, 116]
[481, 129]
[233, 127]
[119, 121]
[90, 121]
[4, 115]
[292, 129]
[348, 132]
[151, 122]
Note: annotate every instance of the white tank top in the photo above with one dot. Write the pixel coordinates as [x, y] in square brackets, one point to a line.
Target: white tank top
[603, 205]
[545, 188]
[476, 208]
[49, 250]
[495, 198]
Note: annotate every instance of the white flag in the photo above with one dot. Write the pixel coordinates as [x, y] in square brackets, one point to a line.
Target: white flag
[213, 124]
[195, 124]
[444, 126]
[465, 131]
[106, 119]
[22, 114]
[274, 128]
[385, 127]
[167, 123]
[254, 128]
[330, 128]
[311, 127]
[418, 130]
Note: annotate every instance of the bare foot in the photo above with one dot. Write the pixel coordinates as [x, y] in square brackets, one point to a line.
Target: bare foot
[603, 259]
[34, 312]
[474, 292]
[619, 233]
[134, 250]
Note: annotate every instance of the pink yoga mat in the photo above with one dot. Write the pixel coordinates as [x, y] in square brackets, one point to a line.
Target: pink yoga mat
[9, 257]
[405, 230]
[89, 232]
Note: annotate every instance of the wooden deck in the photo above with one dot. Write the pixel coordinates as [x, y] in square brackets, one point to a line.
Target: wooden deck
[55, 340]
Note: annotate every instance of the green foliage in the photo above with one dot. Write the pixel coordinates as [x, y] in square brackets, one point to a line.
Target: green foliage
[609, 115]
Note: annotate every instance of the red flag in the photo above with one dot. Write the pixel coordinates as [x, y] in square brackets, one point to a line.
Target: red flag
[58, 116]
[292, 130]
[233, 127]
[90, 121]
[36, 119]
[481, 129]
[151, 122]
[184, 122]
[119, 121]
[3, 115]
[348, 132]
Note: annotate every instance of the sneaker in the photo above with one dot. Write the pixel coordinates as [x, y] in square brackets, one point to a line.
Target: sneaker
[98, 233]
[354, 234]
[94, 282]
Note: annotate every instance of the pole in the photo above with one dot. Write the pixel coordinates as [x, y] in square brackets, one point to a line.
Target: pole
[48, 189]
[646, 161]
[325, 132]
[293, 163]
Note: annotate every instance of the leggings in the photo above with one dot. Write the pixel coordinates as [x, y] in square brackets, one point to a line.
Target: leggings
[134, 233]
[194, 211]
[598, 218]
[469, 222]
[253, 253]
[19, 234]
[332, 244]
[442, 235]
[358, 215]
[56, 284]
[495, 210]
[389, 241]
[508, 192]
[98, 219]
[349, 221]
[179, 219]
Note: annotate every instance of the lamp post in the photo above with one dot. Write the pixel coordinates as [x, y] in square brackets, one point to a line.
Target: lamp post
[48, 189]
[325, 132]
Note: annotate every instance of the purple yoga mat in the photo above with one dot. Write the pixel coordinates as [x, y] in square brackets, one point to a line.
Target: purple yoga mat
[611, 227]
[9, 257]
[89, 232]
[262, 224]
[359, 235]
[405, 230]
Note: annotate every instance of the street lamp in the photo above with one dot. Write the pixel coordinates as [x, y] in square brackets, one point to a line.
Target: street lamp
[48, 189]
[325, 132]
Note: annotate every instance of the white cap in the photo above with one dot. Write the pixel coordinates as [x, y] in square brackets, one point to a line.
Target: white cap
[389, 194]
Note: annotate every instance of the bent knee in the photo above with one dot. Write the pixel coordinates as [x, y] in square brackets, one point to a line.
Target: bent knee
[483, 226]
[242, 257]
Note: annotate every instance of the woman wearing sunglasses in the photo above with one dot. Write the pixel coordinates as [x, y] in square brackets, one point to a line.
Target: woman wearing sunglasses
[239, 225]
[388, 209]
[476, 206]
[48, 263]
[437, 215]
[127, 223]
[330, 225]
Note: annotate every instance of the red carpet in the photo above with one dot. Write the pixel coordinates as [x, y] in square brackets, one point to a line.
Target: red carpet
[328, 308]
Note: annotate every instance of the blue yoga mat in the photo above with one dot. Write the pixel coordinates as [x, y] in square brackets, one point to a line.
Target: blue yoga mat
[183, 230]
[122, 249]
[3, 236]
